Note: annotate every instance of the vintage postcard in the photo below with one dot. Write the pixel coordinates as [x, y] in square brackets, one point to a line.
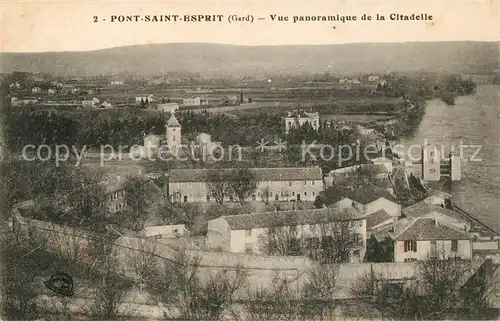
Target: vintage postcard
[279, 160]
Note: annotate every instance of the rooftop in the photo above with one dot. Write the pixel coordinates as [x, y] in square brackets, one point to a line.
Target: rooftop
[302, 114]
[364, 194]
[263, 174]
[290, 218]
[376, 218]
[420, 229]
[173, 122]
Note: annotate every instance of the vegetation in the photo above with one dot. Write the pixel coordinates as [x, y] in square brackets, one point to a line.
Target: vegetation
[239, 181]
[439, 291]
[332, 242]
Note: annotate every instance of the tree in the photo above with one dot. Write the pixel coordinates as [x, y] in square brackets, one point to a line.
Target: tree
[17, 288]
[143, 261]
[441, 288]
[319, 292]
[218, 182]
[266, 194]
[139, 196]
[242, 182]
[279, 239]
[334, 242]
[108, 294]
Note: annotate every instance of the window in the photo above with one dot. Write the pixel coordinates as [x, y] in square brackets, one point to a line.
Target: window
[360, 223]
[431, 161]
[276, 197]
[208, 198]
[313, 182]
[411, 259]
[175, 231]
[431, 153]
[185, 198]
[253, 197]
[410, 246]
[454, 246]
[432, 171]
[305, 193]
[305, 183]
[313, 193]
[258, 193]
[290, 183]
[293, 193]
[248, 233]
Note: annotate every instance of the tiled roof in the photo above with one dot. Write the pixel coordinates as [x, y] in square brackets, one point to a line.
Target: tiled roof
[420, 229]
[376, 218]
[173, 122]
[289, 218]
[263, 174]
[369, 193]
[303, 114]
[421, 209]
[364, 194]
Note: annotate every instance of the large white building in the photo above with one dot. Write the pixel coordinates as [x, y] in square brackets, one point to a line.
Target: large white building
[197, 101]
[243, 233]
[168, 107]
[298, 119]
[273, 184]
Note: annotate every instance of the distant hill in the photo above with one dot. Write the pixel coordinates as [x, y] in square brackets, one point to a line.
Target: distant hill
[217, 59]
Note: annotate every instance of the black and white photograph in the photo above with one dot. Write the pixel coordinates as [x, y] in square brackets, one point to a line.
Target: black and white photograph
[249, 161]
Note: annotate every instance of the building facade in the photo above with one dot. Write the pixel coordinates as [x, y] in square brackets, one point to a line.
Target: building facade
[298, 119]
[273, 185]
[168, 107]
[247, 233]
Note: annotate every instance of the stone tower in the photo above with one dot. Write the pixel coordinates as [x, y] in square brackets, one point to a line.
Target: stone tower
[456, 168]
[431, 163]
[173, 134]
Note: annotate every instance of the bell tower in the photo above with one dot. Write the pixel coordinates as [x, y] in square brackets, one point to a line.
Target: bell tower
[173, 134]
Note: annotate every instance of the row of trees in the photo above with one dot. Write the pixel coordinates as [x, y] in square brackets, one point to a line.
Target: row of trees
[239, 181]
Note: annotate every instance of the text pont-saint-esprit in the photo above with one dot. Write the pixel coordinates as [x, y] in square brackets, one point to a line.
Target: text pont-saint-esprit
[271, 17]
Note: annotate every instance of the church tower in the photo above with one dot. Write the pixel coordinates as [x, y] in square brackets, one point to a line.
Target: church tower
[173, 134]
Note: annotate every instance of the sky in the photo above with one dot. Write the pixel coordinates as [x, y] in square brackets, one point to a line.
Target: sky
[69, 26]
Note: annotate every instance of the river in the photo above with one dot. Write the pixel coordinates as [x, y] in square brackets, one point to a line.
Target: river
[474, 120]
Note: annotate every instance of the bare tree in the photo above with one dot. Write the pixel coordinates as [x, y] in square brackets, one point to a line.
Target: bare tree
[280, 301]
[143, 262]
[319, 292]
[109, 288]
[242, 182]
[266, 195]
[216, 295]
[280, 239]
[441, 289]
[219, 184]
[333, 242]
